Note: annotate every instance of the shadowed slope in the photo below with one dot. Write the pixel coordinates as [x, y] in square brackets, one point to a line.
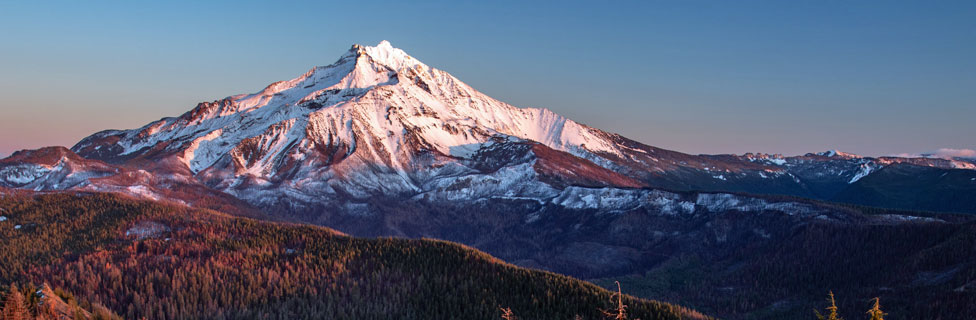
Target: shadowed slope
[145, 259]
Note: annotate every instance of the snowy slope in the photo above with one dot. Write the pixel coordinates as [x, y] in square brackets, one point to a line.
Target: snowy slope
[376, 121]
[379, 122]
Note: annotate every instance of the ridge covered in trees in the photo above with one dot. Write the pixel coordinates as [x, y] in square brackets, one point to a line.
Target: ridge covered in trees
[922, 270]
[45, 303]
[144, 259]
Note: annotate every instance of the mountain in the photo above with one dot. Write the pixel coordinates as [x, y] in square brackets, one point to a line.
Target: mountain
[146, 259]
[57, 168]
[376, 122]
[916, 188]
[379, 122]
[379, 144]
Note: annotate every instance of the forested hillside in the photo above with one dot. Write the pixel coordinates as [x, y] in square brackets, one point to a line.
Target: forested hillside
[144, 259]
[920, 270]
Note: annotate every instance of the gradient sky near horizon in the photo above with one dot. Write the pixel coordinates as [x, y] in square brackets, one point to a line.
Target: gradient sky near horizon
[791, 77]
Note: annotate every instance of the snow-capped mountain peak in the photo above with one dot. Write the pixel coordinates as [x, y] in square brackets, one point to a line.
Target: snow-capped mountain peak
[834, 153]
[380, 122]
[376, 120]
[384, 53]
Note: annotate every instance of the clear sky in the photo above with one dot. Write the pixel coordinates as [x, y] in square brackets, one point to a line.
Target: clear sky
[788, 77]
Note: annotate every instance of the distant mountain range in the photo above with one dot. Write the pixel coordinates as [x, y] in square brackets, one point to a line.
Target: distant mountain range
[380, 144]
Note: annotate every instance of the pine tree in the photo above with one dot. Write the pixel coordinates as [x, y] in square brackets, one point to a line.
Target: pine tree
[620, 313]
[875, 311]
[507, 314]
[831, 310]
[13, 306]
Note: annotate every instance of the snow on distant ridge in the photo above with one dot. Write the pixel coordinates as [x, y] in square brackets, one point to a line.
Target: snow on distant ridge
[863, 171]
[943, 153]
[834, 153]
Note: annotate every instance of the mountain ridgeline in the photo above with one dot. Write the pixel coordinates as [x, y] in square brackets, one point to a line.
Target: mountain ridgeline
[379, 144]
[378, 122]
[144, 259]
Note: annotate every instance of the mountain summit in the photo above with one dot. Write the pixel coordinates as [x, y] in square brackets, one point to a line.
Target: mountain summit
[379, 122]
[375, 121]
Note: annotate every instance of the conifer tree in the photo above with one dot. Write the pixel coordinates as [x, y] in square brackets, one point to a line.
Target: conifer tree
[620, 313]
[13, 306]
[831, 310]
[507, 314]
[875, 312]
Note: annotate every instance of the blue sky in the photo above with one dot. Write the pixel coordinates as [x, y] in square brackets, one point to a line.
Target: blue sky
[788, 77]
